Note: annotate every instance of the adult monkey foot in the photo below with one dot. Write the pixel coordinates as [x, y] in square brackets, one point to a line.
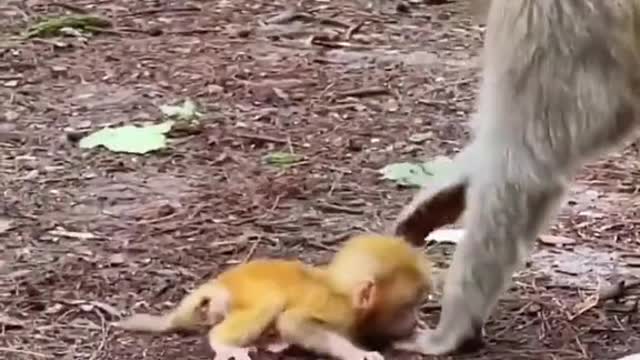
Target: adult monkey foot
[434, 342]
[437, 204]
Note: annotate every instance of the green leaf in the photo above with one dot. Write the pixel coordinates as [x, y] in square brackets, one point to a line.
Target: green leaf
[282, 159]
[186, 111]
[53, 26]
[129, 138]
[417, 174]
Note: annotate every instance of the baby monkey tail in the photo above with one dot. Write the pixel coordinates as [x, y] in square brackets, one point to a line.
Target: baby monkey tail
[205, 306]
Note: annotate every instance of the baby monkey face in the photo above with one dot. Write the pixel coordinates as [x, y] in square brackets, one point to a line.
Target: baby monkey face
[394, 313]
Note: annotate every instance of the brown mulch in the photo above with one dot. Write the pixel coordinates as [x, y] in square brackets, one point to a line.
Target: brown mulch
[87, 235]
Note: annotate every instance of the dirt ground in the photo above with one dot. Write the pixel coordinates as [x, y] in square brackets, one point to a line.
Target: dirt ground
[87, 235]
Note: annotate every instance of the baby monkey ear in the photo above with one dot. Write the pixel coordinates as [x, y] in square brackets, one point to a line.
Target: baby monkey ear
[365, 295]
[202, 310]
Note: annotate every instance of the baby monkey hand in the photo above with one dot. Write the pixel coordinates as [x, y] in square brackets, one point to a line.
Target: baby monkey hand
[367, 355]
[231, 352]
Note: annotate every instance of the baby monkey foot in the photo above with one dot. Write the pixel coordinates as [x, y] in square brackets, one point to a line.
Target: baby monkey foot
[233, 353]
[278, 346]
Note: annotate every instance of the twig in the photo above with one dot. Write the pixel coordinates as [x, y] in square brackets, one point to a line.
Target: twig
[337, 238]
[24, 352]
[364, 92]
[353, 29]
[193, 31]
[292, 15]
[263, 138]
[239, 240]
[72, 8]
[323, 41]
[338, 208]
[332, 22]
[322, 246]
[591, 302]
[283, 17]
[581, 347]
[444, 86]
[161, 219]
[252, 250]
[160, 10]
[103, 338]
[11, 77]
[514, 318]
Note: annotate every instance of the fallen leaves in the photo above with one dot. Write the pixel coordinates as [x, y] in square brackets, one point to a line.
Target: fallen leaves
[631, 259]
[5, 224]
[73, 234]
[129, 138]
[556, 240]
[56, 26]
[186, 111]
[143, 139]
[282, 159]
[417, 174]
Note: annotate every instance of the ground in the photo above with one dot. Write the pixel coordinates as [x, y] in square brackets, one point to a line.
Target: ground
[87, 235]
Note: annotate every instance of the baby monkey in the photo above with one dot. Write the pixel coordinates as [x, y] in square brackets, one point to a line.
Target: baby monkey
[371, 288]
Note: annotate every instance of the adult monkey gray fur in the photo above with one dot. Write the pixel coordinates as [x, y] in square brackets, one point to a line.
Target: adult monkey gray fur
[560, 86]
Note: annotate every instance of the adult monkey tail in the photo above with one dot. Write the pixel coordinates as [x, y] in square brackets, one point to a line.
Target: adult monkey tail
[438, 203]
[559, 87]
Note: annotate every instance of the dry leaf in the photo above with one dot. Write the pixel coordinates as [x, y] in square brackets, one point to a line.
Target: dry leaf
[5, 224]
[117, 259]
[632, 262]
[73, 234]
[556, 240]
[54, 309]
[18, 274]
[106, 308]
[10, 323]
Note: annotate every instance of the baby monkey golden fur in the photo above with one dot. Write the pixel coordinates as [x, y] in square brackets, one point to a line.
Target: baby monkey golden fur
[371, 287]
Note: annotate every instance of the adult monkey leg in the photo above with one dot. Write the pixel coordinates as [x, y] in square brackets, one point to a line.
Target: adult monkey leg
[502, 220]
[560, 86]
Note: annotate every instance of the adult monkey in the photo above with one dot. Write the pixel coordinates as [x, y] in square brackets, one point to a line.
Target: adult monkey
[560, 86]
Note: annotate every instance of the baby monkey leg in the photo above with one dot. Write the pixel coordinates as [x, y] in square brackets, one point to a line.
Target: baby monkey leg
[296, 327]
[230, 338]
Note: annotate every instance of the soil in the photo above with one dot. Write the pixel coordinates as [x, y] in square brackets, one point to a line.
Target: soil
[89, 235]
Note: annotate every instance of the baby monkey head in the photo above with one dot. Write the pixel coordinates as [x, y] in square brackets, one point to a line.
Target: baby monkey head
[388, 279]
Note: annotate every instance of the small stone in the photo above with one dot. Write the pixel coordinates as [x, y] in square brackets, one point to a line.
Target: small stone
[11, 83]
[58, 69]
[11, 116]
[420, 137]
[117, 259]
